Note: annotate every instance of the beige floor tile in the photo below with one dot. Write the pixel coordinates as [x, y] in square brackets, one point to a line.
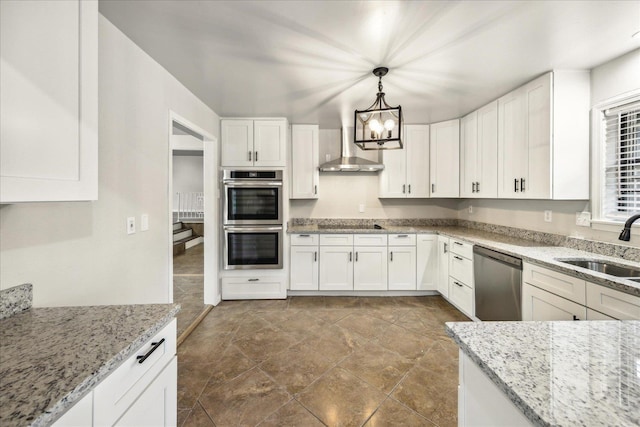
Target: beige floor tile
[392, 413]
[264, 343]
[198, 418]
[230, 364]
[249, 325]
[378, 366]
[364, 325]
[246, 400]
[342, 302]
[404, 342]
[308, 303]
[192, 379]
[301, 326]
[293, 414]
[330, 316]
[339, 398]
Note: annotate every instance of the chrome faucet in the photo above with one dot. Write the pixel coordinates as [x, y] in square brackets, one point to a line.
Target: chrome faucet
[626, 232]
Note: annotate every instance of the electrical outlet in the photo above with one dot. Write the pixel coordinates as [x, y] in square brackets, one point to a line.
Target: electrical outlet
[144, 222]
[547, 216]
[131, 225]
[470, 209]
[583, 219]
[361, 207]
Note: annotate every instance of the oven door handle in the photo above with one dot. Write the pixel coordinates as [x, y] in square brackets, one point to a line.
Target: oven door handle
[232, 184]
[266, 228]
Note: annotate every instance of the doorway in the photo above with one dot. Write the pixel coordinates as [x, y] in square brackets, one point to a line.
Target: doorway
[193, 215]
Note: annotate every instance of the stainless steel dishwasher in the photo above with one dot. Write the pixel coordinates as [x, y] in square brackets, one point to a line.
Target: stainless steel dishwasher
[498, 285]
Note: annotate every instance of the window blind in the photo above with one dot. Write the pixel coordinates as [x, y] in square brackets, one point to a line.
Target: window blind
[622, 161]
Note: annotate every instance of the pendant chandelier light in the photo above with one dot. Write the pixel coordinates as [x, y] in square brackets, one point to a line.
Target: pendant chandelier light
[379, 127]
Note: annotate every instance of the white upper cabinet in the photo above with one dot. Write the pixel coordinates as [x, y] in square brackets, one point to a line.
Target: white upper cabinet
[479, 153]
[406, 171]
[543, 138]
[445, 159]
[259, 142]
[48, 101]
[304, 161]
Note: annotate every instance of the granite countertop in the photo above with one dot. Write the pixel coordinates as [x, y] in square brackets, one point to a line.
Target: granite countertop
[528, 250]
[51, 357]
[560, 373]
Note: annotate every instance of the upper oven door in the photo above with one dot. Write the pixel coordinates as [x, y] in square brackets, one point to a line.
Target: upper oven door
[250, 202]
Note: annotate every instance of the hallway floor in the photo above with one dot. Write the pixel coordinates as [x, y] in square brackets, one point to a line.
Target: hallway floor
[314, 361]
[188, 285]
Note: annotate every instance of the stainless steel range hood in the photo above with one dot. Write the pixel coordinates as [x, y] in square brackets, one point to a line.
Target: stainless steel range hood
[349, 162]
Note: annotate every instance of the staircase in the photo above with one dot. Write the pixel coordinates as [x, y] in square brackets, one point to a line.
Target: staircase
[184, 238]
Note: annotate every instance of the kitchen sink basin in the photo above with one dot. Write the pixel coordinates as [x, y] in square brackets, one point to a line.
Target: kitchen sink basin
[605, 267]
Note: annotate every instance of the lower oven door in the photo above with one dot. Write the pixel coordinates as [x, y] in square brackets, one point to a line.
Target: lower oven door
[253, 247]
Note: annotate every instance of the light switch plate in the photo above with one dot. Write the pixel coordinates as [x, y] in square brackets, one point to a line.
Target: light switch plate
[144, 222]
[361, 207]
[131, 225]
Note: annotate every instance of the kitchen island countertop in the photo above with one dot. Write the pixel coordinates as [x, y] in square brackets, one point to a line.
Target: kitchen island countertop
[560, 373]
[51, 357]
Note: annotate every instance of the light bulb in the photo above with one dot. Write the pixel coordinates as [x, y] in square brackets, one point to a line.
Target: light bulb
[374, 125]
[389, 124]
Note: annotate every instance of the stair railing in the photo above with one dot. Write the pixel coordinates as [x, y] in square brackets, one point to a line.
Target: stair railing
[188, 205]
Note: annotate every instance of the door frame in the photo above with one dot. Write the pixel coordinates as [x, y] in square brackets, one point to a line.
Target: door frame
[212, 293]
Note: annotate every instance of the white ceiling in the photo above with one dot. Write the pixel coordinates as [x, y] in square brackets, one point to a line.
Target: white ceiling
[311, 61]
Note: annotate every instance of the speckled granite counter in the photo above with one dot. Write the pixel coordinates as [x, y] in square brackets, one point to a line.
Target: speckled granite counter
[51, 357]
[560, 373]
[528, 250]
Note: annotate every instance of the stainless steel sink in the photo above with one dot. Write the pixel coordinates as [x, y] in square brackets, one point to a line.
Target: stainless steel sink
[605, 267]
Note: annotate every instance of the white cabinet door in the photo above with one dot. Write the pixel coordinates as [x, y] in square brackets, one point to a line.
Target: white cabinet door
[417, 152]
[236, 142]
[487, 152]
[443, 266]
[304, 268]
[538, 137]
[370, 268]
[336, 268]
[444, 159]
[80, 414]
[468, 154]
[512, 147]
[402, 268]
[427, 262]
[393, 178]
[596, 315]
[48, 101]
[304, 161]
[542, 305]
[270, 142]
[157, 406]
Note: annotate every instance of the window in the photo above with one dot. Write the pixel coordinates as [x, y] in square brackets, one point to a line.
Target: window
[621, 163]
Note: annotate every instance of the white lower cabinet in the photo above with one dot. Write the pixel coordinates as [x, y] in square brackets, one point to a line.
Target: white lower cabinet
[370, 268]
[427, 262]
[538, 304]
[402, 268]
[142, 391]
[304, 262]
[481, 402]
[612, 303]
[443, 266]
[336, 268]
[461, 296]
[254, 287]
[596, 315]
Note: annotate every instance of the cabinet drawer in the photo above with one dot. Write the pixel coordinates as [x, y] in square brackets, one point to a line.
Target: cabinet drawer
[461, 248]
[560, 284]
[402, 239]
[336, 239]
[370, 240]
[121, 388]
[461, 269]
[538, 304]
[305, 239]
[461, 295]
[613, 303]
[596, 315]
[254, 287]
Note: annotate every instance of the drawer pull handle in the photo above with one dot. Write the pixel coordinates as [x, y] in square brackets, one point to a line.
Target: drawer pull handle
[305, 235]
[457, 257]
[575, 317]
[457, 284]
[253, 280]
[458, 243]
[402, 235]
[154, 347]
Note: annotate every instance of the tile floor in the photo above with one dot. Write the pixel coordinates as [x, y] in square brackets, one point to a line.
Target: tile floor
[314, 361]
[188, 285]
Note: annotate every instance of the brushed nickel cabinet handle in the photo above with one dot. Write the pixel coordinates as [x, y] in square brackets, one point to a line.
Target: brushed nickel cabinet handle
[249, 155]
[256, 156]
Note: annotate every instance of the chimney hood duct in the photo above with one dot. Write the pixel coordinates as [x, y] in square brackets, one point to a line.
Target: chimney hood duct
[349, 162]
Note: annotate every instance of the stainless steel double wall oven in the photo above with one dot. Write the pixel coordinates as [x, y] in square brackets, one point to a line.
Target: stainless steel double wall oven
[252, 219]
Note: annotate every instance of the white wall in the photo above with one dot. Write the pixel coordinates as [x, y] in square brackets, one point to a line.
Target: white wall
[187, 174]
[608, 80]
[79, 253]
